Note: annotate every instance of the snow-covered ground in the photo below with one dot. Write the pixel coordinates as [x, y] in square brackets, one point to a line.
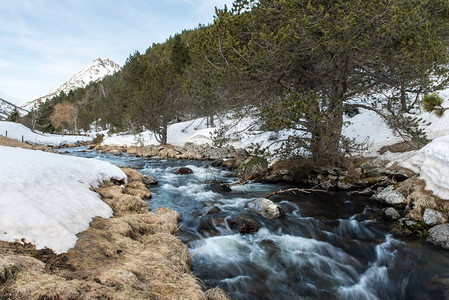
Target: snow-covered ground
[366, 127]
[17, 131]
[45, 198]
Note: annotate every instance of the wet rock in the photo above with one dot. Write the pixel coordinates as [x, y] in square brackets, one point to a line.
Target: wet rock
[432, 217]
[214, 210]
[220, 187]
[390, 196]
[365, 192]
[149, 180]
[392, 213]
[266, 208]
[183, 171]
[243, 224]
[407, 227]
[439, 235]
[207, 227]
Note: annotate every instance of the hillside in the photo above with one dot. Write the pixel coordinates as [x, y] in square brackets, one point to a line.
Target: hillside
[93, 72]
[7, 107]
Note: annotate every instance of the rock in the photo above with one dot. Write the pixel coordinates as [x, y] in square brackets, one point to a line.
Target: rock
[183, 171]
[214, 210]
[392, 213]
[365, 192]
[283, 171]
[115, 152]
[266, 208]
[390, 196]
[220, 187]
[243, 224]
[432, 217]
[149, 180]
[439, 235]
[407, 227]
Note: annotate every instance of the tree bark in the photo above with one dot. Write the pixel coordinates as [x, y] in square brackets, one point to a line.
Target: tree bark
[326, 138]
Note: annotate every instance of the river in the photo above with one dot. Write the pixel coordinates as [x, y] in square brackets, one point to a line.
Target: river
[326, 246]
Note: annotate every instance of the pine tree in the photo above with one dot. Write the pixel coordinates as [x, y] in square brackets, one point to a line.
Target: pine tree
[13, 115]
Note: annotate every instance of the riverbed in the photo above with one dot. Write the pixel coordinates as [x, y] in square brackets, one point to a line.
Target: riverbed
[326, 246]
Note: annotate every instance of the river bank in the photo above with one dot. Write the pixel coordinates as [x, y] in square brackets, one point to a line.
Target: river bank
[133, 255]
[412, 209]
[300, 253]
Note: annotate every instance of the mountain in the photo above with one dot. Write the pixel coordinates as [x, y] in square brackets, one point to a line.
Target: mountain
[94, 71]
[7, 107]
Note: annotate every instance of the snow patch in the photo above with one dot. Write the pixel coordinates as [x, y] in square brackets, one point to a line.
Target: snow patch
[45, 198]
[16, 131]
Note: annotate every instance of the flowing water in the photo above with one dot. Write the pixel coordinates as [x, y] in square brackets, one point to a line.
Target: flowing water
[325, 247]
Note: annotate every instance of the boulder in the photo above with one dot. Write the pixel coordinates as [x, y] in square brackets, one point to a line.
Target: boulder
[439, 235]
[220, 187]
[213, 210]
[266, 208]
[432, 217]
[183, 171]
[149, 180]
[392, 213]
[243, 224]
[390, 196]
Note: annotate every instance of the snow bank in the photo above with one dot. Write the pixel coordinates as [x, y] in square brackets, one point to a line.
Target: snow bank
[16, 131]
[432, 163]
[46, 198]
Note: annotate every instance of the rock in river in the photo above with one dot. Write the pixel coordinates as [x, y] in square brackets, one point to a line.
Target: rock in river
[149, 180]
[432, 217]
[266, 208]
[439, 235]
[183, 171]
[243, 223]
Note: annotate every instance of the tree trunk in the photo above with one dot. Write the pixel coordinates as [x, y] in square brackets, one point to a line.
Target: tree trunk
[327, 136]
[211, 118]
[164, 134]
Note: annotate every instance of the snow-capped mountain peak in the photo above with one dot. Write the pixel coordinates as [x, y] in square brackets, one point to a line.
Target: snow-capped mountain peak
[6, 106]
[94, 71]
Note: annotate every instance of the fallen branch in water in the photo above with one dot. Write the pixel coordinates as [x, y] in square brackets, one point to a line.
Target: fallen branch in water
[293, 190]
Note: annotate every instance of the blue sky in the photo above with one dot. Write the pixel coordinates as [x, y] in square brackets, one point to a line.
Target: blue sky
[45, 42]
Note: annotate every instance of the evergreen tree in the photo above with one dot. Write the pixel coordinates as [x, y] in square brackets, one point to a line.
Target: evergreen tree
[13, 115]
[307, 62]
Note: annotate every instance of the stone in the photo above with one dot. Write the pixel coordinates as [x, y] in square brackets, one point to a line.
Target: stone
[390, 196]
[149, 180]
[183, 171]
[243, 224]
[115, 152]
[439, 235]
[432, 217]
[365, 192]
[266, 208]
[220, 187]
[214, 210]
[392, 213]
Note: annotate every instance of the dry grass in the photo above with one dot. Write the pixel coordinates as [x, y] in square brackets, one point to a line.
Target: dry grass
[4, 141]
[36, 285]
[419, 199]
[131, 256]
[132, 174]
[216, 294]
[398, 148]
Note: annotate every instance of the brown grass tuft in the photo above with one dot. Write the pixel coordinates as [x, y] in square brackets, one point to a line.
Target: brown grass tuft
[132, 174]
[133, 255]
[216, 294]
[34, 285]
[4, 141]
[10, 265]
[419, 199]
